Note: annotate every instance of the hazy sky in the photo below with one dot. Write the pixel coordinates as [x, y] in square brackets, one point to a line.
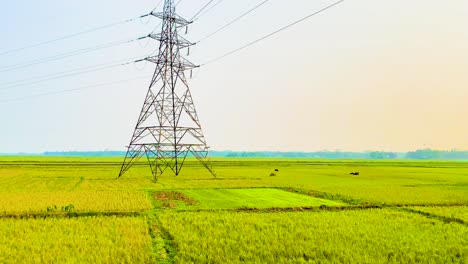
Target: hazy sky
[364, 75]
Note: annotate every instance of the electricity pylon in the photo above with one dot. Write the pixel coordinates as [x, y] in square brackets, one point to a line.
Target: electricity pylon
[168, 129]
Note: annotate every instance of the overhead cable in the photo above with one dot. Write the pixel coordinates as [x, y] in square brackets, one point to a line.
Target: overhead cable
[201, 10]
[234, 20]
[156, 7]
[272, 33]
[66, 55]
[64, 74]
[71, 35]
[211, 8]
[71, 90]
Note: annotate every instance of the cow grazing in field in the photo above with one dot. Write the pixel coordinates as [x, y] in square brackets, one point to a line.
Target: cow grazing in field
[276, 170]
[354, 173]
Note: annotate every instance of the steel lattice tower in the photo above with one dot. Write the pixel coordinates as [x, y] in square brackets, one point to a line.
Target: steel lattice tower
[168, 129]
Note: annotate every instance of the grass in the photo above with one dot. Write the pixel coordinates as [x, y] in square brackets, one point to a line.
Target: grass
[82, 201]
[452, 212]
[248, 198]
[243, 215]
[394, 183]
[364, 236]
[76, 240]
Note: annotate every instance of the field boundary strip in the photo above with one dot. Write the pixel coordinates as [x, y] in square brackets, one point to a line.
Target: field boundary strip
[69, 214]
[433, 216]
[358, 201]
[361, 204]
[328, 196]
[227, 179]
[80, 181]
[280, 209]
[166, 240]
[431, 205]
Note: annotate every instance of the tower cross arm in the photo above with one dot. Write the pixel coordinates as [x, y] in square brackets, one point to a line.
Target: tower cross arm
[180, 41]
[172, 17]
[182, 64]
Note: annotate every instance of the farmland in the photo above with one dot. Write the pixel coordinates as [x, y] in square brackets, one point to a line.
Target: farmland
[56, 209]
[382, 235]
[60, 240]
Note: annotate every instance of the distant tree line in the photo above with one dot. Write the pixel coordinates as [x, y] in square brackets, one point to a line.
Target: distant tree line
[422, 154]
[429, 154]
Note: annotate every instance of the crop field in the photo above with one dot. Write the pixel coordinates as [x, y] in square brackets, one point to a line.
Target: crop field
[239, 198]
[84, 239]
[11, 203]
[75, 210]
[453, 212]
[371, 236]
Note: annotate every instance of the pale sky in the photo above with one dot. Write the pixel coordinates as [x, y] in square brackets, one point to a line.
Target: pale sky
[364, 75]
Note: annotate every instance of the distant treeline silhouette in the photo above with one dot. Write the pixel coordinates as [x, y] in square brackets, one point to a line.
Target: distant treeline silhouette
[422, 154]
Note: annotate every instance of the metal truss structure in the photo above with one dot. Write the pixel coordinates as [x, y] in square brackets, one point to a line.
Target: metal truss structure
[168, 129]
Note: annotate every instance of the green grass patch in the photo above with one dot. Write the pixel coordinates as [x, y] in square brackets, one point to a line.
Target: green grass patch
[239, 198]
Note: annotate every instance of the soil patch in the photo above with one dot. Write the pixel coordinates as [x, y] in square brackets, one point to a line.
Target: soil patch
[168, 199]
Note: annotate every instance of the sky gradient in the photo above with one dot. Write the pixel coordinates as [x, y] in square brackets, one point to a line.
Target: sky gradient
[364, 75]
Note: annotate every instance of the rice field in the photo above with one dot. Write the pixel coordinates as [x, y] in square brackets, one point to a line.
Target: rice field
[75, 240]
[75, 210]
[452, 212]
[260, 198]
[82, 201]
[369, 236]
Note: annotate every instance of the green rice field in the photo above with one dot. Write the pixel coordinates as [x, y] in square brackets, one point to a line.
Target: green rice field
[76, 210]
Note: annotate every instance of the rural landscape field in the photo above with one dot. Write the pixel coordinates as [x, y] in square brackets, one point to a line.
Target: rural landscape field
[75, 210]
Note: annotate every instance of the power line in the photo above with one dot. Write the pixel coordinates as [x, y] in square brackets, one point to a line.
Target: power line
[64, 74]
[272, 33]
[201, 10]
[71, 90]
[68, 71]
[235, 20]
[71, 35]
[209, 9]
[66, 55]
[178, 3]
[156, 7]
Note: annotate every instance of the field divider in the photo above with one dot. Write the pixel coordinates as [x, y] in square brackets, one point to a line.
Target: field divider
[328, 196]
[80, 181]
[432, 205]
[354, 201]
[40, 215]
[432, 216]
[279, 209]
[161, 238]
